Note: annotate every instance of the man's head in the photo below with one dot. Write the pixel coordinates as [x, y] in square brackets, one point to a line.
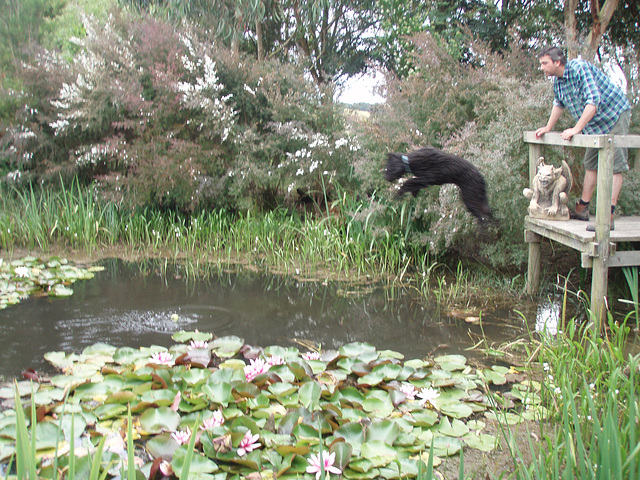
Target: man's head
[552, 61]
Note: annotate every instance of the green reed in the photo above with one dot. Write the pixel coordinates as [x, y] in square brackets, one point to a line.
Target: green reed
[28, 465]
[592, 392]
[344, 245]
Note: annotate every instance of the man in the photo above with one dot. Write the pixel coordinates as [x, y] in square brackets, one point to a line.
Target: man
[599, 107]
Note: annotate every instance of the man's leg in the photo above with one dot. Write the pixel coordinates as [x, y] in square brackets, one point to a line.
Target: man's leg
[617, 186]
[588, 187]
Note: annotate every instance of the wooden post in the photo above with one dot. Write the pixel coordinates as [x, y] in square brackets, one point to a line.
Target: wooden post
[533, 269]
[533, 265]
[599, 280]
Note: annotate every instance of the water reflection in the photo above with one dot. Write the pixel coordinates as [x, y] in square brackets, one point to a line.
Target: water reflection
[548, 315]
[128, 306]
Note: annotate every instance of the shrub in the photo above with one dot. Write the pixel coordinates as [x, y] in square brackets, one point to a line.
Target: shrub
[160, 116]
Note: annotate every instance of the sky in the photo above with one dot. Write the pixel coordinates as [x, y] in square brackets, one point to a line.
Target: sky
[360, 89]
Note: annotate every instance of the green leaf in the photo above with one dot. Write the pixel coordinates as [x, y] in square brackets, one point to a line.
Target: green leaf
[452, 429]
[483, 442]
[199, 463]
[161, 446]
[184, 337]
[457, 410]
[227, 346]
[353, 434]
[424, 418]
[385, 430]
[378, 452]
[446, 446]
[310, 393]
[157, 420]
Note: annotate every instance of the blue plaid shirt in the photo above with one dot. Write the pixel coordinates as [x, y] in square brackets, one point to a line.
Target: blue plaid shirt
[584, 83]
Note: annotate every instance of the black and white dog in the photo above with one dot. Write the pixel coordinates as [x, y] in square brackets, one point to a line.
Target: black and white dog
[430, 166]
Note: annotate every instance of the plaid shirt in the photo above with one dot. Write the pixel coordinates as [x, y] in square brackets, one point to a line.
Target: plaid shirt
[583, 83]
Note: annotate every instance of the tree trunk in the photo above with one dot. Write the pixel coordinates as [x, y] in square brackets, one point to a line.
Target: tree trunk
[600, 18]
[259, 42]
[571, 28]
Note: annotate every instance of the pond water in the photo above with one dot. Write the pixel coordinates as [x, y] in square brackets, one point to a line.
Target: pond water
[130, 305]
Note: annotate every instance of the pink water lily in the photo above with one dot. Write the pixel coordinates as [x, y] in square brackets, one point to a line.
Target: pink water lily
[165, 468]
[275, 360]
[256, 367]
[182, 436]
[162, 358]
[198, 344]
[409, 391]
[248, 443]
[311, 355]
[328, 459]
[176, 401]
[214, 421]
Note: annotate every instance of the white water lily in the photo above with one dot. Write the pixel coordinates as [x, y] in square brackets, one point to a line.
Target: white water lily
[428, 395]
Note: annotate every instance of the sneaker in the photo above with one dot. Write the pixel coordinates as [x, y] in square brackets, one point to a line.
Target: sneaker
[583, 215]
[592, 227]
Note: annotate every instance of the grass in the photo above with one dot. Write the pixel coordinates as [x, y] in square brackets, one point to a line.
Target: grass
[357, 245]
[592, 391]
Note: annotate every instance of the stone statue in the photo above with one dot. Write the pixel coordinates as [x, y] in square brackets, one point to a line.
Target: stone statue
[550, 193]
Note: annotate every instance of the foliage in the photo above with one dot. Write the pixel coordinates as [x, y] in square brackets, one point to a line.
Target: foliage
[479, 114]
[218, 406]
[170, 120]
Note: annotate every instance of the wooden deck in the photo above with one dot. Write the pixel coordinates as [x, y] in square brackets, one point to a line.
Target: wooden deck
[573, 234]
[599, 250]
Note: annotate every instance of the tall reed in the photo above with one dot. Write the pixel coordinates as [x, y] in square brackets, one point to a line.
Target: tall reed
[592, 391]
[344, 244]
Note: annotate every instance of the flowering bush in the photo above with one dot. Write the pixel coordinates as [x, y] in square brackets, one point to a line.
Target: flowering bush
[166, 118]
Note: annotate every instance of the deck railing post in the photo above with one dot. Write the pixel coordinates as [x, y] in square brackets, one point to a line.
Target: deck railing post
[533, 265]
[600, 274]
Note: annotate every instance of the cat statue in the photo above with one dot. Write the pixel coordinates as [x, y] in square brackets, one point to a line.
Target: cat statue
[550, 193]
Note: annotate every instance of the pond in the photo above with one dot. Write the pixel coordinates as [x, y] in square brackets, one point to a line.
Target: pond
[131, 304]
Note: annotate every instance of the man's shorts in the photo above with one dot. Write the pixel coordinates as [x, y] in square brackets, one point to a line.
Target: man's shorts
[620, 155]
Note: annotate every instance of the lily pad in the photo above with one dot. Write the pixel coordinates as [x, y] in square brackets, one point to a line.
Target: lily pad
[157, 420]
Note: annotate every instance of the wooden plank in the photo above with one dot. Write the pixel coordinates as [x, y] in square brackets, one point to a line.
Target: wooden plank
[558, 231]
[627, 228]
[627, 258]
[581, 140]
[628, 141]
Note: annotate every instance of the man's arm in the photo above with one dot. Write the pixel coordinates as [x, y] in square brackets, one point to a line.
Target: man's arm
[556, 113]
[587, 115]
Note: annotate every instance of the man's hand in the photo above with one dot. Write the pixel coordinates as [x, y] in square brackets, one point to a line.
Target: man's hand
[570, 132]
[541, 131]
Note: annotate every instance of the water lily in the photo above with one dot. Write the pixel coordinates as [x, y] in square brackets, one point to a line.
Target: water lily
[198, 344]
[165, 468]
[256, 367]
[311, 355]
[182, 436]
[428, 395]
[248, 443]
[215, 421]
[275, 360]
[21, 272]
[409, 391]
[328, 460]
[162, 358]
[176, 401]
